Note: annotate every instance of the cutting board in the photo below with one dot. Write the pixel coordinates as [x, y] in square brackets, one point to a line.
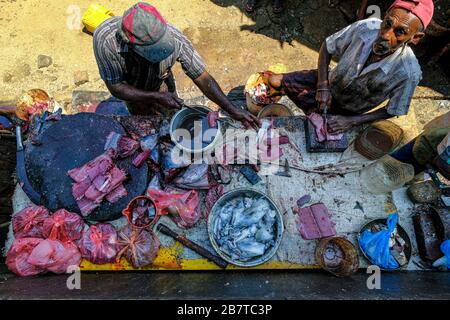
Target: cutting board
[70, 143]
[312, 145]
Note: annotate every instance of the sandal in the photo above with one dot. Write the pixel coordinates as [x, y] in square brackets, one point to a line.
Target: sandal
[250, 6]
[278, 6]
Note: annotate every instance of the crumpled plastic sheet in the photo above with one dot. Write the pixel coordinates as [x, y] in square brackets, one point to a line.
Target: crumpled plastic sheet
[18, 254]
[186, 206]
[32, 256]
[55, 256]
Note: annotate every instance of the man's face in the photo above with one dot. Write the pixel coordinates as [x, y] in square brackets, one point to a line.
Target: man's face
[398, 28]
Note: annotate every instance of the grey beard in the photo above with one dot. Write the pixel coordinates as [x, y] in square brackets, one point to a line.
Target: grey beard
[385, 50]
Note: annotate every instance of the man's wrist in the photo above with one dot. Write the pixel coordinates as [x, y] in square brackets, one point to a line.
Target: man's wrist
[323, 85]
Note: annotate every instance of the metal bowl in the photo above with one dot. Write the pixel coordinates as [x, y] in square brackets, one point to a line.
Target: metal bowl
[238, 193]
[402, 234]
[183, 115]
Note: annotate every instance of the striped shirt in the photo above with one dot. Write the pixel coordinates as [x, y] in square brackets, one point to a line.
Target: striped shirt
[118, 63]
[358, 89]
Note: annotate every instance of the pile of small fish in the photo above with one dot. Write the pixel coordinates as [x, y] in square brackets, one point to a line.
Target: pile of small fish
[245, 228]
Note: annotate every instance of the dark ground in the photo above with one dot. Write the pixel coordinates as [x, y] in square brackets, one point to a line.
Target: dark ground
[279, 285]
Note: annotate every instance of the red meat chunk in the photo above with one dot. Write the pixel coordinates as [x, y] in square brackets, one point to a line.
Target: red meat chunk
[320, 126]
[96, 180]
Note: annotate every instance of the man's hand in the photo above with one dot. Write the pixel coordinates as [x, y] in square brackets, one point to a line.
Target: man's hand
[339, 124]
[211, 89]
[169, 100]
[323, 98]
[247, 119]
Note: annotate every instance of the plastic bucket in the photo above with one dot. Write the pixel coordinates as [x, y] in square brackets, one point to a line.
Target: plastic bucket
[94, 16]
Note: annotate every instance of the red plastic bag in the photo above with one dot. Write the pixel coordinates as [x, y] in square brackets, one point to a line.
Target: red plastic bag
[55, 256]
[28, 222]
[99, 244]
[17, 257]
[64, 226]
[140, 246]
[182, 206]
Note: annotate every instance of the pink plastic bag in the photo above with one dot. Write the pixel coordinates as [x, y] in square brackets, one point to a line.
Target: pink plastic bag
[28, 222]
[64, 226]
[17, 257]
[55, 256]
[99, 244]
[140, 246]
[182, 206]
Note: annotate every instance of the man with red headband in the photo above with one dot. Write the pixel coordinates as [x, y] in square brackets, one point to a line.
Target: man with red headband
[375, 64]
[135, 54]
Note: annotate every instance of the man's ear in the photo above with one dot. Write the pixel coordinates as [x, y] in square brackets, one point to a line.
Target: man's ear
[416, 38]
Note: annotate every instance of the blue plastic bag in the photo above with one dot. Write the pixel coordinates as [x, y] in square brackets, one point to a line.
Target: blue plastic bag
[445, 248]
[376, 244]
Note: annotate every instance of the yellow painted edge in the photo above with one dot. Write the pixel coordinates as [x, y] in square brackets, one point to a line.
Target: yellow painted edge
[195, 264]
[169, 259]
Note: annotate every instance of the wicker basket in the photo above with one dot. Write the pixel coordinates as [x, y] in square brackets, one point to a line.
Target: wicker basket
[338, 256]
[379, 139]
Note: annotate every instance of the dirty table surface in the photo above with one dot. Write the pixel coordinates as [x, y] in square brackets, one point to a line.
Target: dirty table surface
[350, 204]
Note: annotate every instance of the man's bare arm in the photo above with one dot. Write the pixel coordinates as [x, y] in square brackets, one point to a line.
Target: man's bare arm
[126, 92]
[323, 65]
[210, 88]
[323, 95]
[339, 124]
